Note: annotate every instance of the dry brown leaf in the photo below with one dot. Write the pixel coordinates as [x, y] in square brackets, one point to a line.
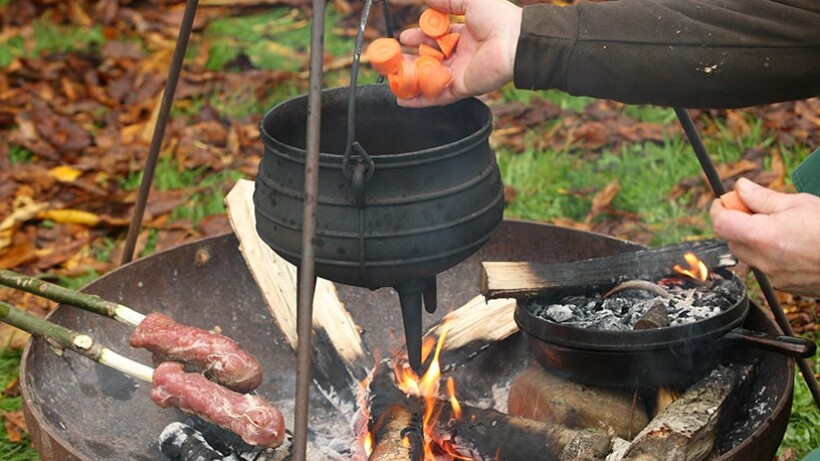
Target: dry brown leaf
[15, 425]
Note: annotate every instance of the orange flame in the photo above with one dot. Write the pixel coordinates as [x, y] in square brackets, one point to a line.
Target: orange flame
[368, 444]
[427, 388]
[697, 269]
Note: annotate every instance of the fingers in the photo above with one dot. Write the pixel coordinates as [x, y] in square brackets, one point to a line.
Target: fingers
[449, 6]
[730, 224]
[760, 199]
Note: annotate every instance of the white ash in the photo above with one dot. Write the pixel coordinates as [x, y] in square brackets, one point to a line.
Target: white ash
[686, 304]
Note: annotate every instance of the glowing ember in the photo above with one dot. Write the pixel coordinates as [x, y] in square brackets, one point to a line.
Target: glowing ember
[697, 269]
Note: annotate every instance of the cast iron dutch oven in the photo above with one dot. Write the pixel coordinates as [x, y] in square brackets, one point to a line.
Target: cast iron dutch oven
[675, 355]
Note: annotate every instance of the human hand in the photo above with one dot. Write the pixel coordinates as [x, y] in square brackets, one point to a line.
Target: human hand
[485, 54]
[781, 237]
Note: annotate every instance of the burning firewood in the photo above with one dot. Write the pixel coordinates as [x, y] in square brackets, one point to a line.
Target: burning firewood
[539, 395]
[530, 279]
[395, 421]
[488, 435]
[686, 430]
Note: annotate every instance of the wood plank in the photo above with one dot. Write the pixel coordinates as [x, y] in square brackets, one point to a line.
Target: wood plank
[340, 359]
[521, 279]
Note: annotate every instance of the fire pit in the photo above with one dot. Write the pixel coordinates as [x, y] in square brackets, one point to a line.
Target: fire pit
[77, 410]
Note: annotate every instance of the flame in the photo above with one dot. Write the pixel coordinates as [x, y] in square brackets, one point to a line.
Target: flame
[697, 269]
[368, 444]
[427, 388]
[451, 391]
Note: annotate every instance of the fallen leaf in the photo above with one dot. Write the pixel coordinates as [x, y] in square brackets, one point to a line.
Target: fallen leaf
[64, 173]
[69, 216]
[15, 425]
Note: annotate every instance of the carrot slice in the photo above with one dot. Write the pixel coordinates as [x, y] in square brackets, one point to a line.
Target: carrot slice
[384, 55]
[427, 50]
[432, 76]
[404, 83]
[434, 23]
[731, 200]
[447, 43]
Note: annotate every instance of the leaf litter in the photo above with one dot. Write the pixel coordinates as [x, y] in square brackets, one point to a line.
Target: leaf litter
[75, 127]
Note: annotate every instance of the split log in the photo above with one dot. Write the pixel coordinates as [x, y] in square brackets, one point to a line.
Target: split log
[686, 430]
[473, 327]
[340, 358]
[541, 396]
[395, 420]
[488, 435]
[530, 279]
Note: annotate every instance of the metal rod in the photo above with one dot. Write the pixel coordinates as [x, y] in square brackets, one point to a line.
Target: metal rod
[159, 130]
[307, 270]
[765, 285]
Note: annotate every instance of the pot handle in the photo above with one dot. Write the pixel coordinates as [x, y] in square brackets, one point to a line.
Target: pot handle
[787, 345]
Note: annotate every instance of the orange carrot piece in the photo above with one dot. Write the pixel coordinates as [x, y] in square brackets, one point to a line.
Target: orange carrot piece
[447, 43]
[384, 55]
[432, 76]
[404, 83]
[427, 50]
[434, 23]
[731, 200]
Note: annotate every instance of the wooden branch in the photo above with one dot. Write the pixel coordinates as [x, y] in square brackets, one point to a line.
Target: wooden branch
[340, 359]
[61, 338]
[85, 301]
[530, 279]
[488, 435]
[395, 419]
[688, 427]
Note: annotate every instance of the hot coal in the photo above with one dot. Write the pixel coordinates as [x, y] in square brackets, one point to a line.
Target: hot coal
[687, 302]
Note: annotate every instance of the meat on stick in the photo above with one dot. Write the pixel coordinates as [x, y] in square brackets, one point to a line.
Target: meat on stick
[251, 417]
[219, 357]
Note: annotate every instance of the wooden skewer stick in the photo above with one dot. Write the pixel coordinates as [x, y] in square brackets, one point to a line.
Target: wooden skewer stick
[60, 338]
[88, 302]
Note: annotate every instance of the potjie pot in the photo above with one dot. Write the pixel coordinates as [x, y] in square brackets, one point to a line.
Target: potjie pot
[675, 355]
[417, 192]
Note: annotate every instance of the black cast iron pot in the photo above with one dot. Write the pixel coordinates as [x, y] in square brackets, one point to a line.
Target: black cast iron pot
[675, 355]
[421, 193]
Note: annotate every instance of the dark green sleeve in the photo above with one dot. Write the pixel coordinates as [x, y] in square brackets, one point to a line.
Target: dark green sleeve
[685, 53]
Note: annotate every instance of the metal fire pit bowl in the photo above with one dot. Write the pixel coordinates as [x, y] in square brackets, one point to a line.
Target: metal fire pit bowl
[78, 410]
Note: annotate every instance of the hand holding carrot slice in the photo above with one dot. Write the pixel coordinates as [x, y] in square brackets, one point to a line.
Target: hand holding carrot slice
[447, 43]
[404, 83]
[434, 23]
[432, 76]
[427, 50]
[384, 55]
[732, 201]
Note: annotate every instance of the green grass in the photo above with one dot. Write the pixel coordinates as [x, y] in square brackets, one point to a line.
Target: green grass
[12, 451]
[802, 433]
[49, 37]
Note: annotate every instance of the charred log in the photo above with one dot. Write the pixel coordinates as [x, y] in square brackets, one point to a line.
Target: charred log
[686, 430]
[541, 396]
[530, 279]
[395, 419]
[488, 435]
